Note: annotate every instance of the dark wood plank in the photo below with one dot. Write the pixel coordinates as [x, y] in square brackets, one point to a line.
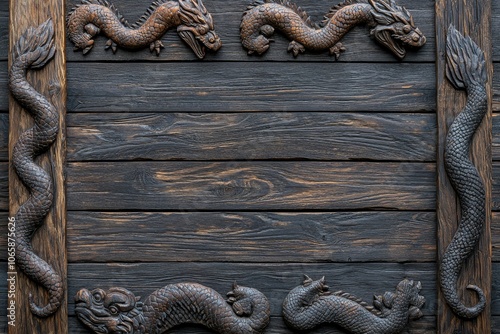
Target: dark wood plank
[4, 137]
[50, 242]
[245, 186]
[495, 236]
[495, 295]
[227, 18]
[496, 186]
[472, 18]
[495, 145]
[496, 87]
[4, 29]
[4, 186]
[244, 86]
[251, 136]
[251, 237]
[4, 91]
[274, 280]
[425, 325]
[495, 26]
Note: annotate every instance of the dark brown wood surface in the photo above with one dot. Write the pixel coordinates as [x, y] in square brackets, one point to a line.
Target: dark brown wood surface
[257, 186]
[471, 18]
[49, 241]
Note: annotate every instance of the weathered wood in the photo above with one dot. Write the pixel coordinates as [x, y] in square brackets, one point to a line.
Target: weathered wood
[495, 236]
[227, 18]
[4, 91]
[245, 86]
[426, 325]
[250, 186]
[251, 136]
[471, 18]
[275, 280]
[4, 186]
[495, 144]
[4, 29]
[495, 26]
[268, 237]
[49, 240]
[496, 86]
[496, 186]
[4, 137]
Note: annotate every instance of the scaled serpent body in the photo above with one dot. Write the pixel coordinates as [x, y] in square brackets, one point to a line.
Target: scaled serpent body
[311, 304]
[391, 25]
[466, 69]
[246, 311]
[194, 25]
[34, 50]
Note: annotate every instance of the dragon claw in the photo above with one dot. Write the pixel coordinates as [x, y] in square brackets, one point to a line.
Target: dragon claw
[156, 46]
[112, 45]
[336, 50]
[295, 48]
[92, 29]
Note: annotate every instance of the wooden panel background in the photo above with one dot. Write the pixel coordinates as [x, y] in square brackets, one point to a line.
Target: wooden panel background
[256, 169]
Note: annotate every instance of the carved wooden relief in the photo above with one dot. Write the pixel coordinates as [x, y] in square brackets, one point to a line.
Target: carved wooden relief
[465, 69]
[34, 50]
[118, 310]
[194, 25]
[312, 303]
[391, 25]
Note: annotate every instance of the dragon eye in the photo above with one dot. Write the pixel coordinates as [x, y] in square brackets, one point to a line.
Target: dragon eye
[97, 297]
[406, 29]
[113, 310]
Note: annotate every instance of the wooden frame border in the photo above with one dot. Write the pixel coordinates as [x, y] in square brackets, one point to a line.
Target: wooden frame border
[472, 18]
[50, 240]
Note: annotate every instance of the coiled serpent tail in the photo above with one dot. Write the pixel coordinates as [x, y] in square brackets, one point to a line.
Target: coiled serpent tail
[312, 304]
[34, 50]
[466, 69]
[246, 311]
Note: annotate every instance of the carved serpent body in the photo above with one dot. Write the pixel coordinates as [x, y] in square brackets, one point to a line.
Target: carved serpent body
[246, 311]
[466, 69]
[194, 25]
[392, 26]
[33, 51]
[312, 304]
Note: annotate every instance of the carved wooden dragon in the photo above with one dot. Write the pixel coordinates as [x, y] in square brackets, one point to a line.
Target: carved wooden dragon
[33, 51]
[119, 311]
[194, 25]
[312, 304]
[391, 25]
[466, 69]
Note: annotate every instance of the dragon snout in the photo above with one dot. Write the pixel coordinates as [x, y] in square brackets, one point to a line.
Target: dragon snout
[83, 298]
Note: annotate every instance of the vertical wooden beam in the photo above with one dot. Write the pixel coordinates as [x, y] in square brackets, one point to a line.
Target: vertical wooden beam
[471, 18]
[50, 240]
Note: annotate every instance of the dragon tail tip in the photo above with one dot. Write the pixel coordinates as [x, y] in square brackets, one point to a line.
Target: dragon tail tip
[37, 44]
[465, 62]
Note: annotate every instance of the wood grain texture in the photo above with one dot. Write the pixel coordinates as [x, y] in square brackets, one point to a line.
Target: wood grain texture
[251, 136]
[495, 236]
[4, 29]
[495, 144]
[49, 241]
[496, 186]
[4, 137]
[4, 91]
[4, 186]
[471, 18]
[227, 18]
[245, 86]
[251, 237]
[246, 186]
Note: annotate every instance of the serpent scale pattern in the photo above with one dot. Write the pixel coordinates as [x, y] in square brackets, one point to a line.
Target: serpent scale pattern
[34, 50]
[391, 25]
[465, 69]
[312, 304]
[194, 25]
[246, 311]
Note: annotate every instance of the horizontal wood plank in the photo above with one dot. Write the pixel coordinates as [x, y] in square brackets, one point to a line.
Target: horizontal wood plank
[4, 137]
[4, 29]
[496, 185]
[274, 280]
[244, 86]
[495, 26]
[251, 237]
[425, 325]
[4, 90]
[132, 186]
[4, 186]
[227, 18]
[495, 236]
[495, 144]
[496, 84]
[251, 136]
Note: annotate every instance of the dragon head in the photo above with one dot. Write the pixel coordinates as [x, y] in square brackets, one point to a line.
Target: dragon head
[197, 27]
[394, 27]
[116, 311]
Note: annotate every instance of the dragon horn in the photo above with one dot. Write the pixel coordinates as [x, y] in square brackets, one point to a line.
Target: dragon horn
[322, 280]
[235, 285]
[307, 280]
